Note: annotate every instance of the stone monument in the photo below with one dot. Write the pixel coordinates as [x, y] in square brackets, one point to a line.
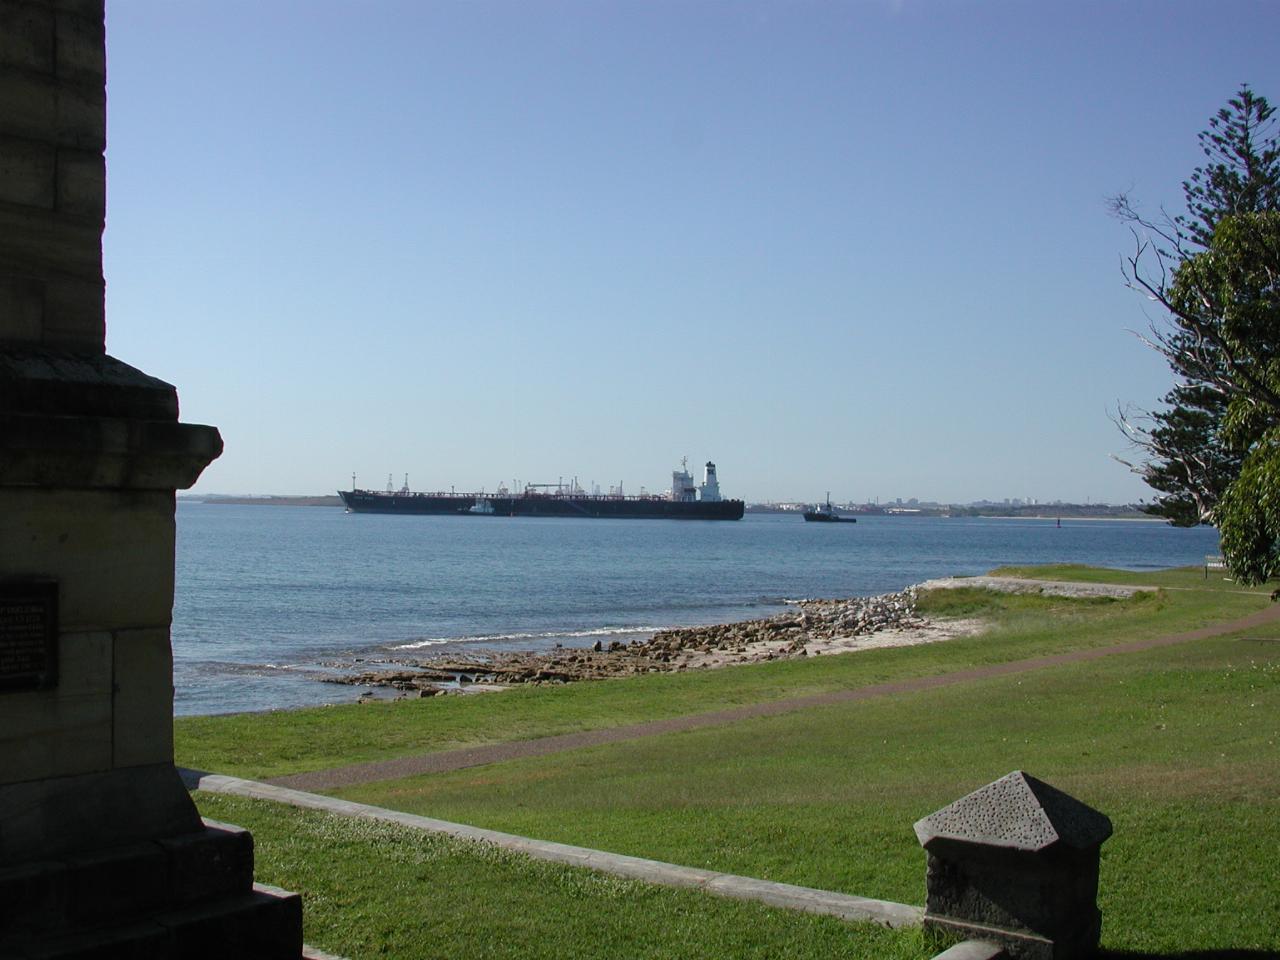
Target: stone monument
[102, 852]
[1016, 863]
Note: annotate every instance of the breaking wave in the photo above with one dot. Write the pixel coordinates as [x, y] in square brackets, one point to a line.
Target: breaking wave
[535, 637]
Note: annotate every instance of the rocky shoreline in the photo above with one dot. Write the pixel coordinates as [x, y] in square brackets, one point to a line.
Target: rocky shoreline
[813, 627]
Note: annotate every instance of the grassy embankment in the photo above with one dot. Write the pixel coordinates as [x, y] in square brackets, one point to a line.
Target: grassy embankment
[272, 744]
[376, 890]
[1181, 746]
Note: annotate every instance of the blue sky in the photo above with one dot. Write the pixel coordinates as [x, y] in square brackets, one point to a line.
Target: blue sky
[859, 247]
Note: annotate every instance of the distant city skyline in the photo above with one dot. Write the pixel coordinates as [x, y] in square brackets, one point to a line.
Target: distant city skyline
[855, 247]
[596, 489]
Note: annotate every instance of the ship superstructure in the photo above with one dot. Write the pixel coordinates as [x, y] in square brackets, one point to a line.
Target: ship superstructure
[709, 492]
[683, 489]
[684, 501]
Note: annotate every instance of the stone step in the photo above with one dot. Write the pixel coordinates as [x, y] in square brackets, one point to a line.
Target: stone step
[114, 885]
[262, 924]
[265, 924]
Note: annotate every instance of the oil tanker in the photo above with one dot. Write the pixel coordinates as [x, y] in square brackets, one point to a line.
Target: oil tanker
[684, 501]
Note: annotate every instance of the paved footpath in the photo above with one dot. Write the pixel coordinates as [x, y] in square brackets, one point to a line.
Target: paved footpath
[447, 760]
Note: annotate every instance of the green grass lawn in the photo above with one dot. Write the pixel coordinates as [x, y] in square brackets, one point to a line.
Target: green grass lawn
[271, 744]
[1180, 746]
[1177, 578]
[378, 890]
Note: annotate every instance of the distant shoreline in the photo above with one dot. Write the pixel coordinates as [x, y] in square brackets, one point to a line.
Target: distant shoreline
[1041, 516]
[270, 501]
[335, 501]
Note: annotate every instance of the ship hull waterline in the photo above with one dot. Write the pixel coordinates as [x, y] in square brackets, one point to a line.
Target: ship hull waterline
[625, 508]
[815, 516]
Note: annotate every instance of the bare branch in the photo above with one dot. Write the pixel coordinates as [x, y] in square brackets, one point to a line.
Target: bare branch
[1232, 376]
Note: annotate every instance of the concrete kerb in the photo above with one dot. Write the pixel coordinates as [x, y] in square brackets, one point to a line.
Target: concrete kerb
[785, 895]
[973, 950]
[313, 953]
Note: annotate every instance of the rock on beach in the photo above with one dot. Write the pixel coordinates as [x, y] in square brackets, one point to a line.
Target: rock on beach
[810, 624]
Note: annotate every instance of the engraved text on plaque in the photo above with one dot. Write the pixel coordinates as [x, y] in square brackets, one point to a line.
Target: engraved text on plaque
[28, 634]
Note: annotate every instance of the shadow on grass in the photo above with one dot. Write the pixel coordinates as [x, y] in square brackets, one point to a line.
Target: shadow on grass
[1191, 955]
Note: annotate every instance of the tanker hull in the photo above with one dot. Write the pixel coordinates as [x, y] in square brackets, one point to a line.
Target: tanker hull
[370, 501]
[541, 505]
[630, 508]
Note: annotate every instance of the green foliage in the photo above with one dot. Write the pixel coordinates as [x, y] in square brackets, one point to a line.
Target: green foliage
[1190, 457]
[1203, 466]
[1214, 450]
[1233, 290]
[1243, 172]
[1250, 515]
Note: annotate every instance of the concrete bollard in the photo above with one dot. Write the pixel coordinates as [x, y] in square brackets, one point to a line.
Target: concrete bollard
[1016, 862]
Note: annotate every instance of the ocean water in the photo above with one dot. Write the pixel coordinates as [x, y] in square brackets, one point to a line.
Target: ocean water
[270, 599]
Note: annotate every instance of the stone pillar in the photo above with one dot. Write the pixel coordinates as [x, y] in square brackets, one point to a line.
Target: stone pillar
[1016, 863]
[52, 174]
[97, 833]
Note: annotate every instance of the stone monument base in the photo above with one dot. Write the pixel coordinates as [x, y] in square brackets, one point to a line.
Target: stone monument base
[186, 896]
[1016, 863]
[102, 852]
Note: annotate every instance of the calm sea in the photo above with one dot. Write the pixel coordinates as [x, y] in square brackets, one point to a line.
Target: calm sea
[269, 599]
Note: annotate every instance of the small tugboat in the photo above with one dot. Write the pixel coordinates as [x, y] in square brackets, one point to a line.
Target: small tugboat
[826, 513]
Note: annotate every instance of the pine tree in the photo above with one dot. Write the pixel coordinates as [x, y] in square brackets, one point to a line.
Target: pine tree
[1243, 173]
[1189, 459]
[1229, 296]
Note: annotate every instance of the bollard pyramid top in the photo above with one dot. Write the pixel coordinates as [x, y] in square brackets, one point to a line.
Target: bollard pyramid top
[1016, 812]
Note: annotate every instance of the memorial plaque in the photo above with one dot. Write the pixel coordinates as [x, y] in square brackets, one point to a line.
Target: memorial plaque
[28, 635]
